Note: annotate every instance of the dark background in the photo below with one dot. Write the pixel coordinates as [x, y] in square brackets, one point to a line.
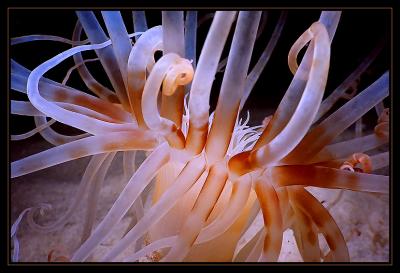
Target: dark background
[359, 31]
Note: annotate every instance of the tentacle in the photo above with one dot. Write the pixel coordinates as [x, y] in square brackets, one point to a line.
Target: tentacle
[255, 73]
[249, 238]
[336, 123]
[86, 181]
[346, 148]
[93, 85]
[336, 94]
[206, 200]
[191, 36]
[300, 43]
[27, 109]
[87, 112]
[290, 101]
[54, 91]
[52, 136]
[98, 89]
[240, 194]
[121, 42]
[31, 38]
[376, 162]
[379, 108]
[323, 220]
[188, 176]
[255, 253]
[301, 120]
[140, 58]
[174, 42]
[306, 235]
[137, 209]
[260, 30]
[96, 35]
[69, 72]
[363, 159]
[139, 21]
[203, 79]
[77, 120]
[272, 216]
[83, 147]
[24, 108]
[232, 86]
[13, 234]
[32, 132]
[132, 190]
[380, 160]
[93, 196]
[171, 71]
[330, 19]
[325, 177]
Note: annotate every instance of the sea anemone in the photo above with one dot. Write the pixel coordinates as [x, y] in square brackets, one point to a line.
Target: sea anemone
[207, 177]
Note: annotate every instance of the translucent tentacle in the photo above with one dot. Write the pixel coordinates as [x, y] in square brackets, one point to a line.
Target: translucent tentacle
[93, 85]
[13, 234]
[191, 36]
[240, 194]
[255, 73]
[87, 124]
[301, 120]
[249, 238]
[289, 102]
[380, 160]
[32, 132]
[323, 220]
[325, 177]
[197, 218]
[188, 176]
[96, 35]
[121, 42]
[346, 148]
[141, 58]
[233, 85]
[139, 21]
[83, 147]
[336, 123]
[306, 235]
[174, 42]
[54, 91]
[24, 108]
[203, 79]
[142, 177]
[52, 136]
[341, 89]
[171, 71]
[93, 196]
[86, 181]
[257, 249]
[31, 38]
[269, 203]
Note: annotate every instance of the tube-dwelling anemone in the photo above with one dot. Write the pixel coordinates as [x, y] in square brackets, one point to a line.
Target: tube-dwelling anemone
[211, 175]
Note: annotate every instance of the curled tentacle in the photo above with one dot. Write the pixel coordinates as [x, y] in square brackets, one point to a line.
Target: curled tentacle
[302, 118]
[363, 159]
[174, 71]
[141, 60]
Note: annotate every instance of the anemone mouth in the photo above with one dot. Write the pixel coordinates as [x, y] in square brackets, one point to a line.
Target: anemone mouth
[208, 178]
